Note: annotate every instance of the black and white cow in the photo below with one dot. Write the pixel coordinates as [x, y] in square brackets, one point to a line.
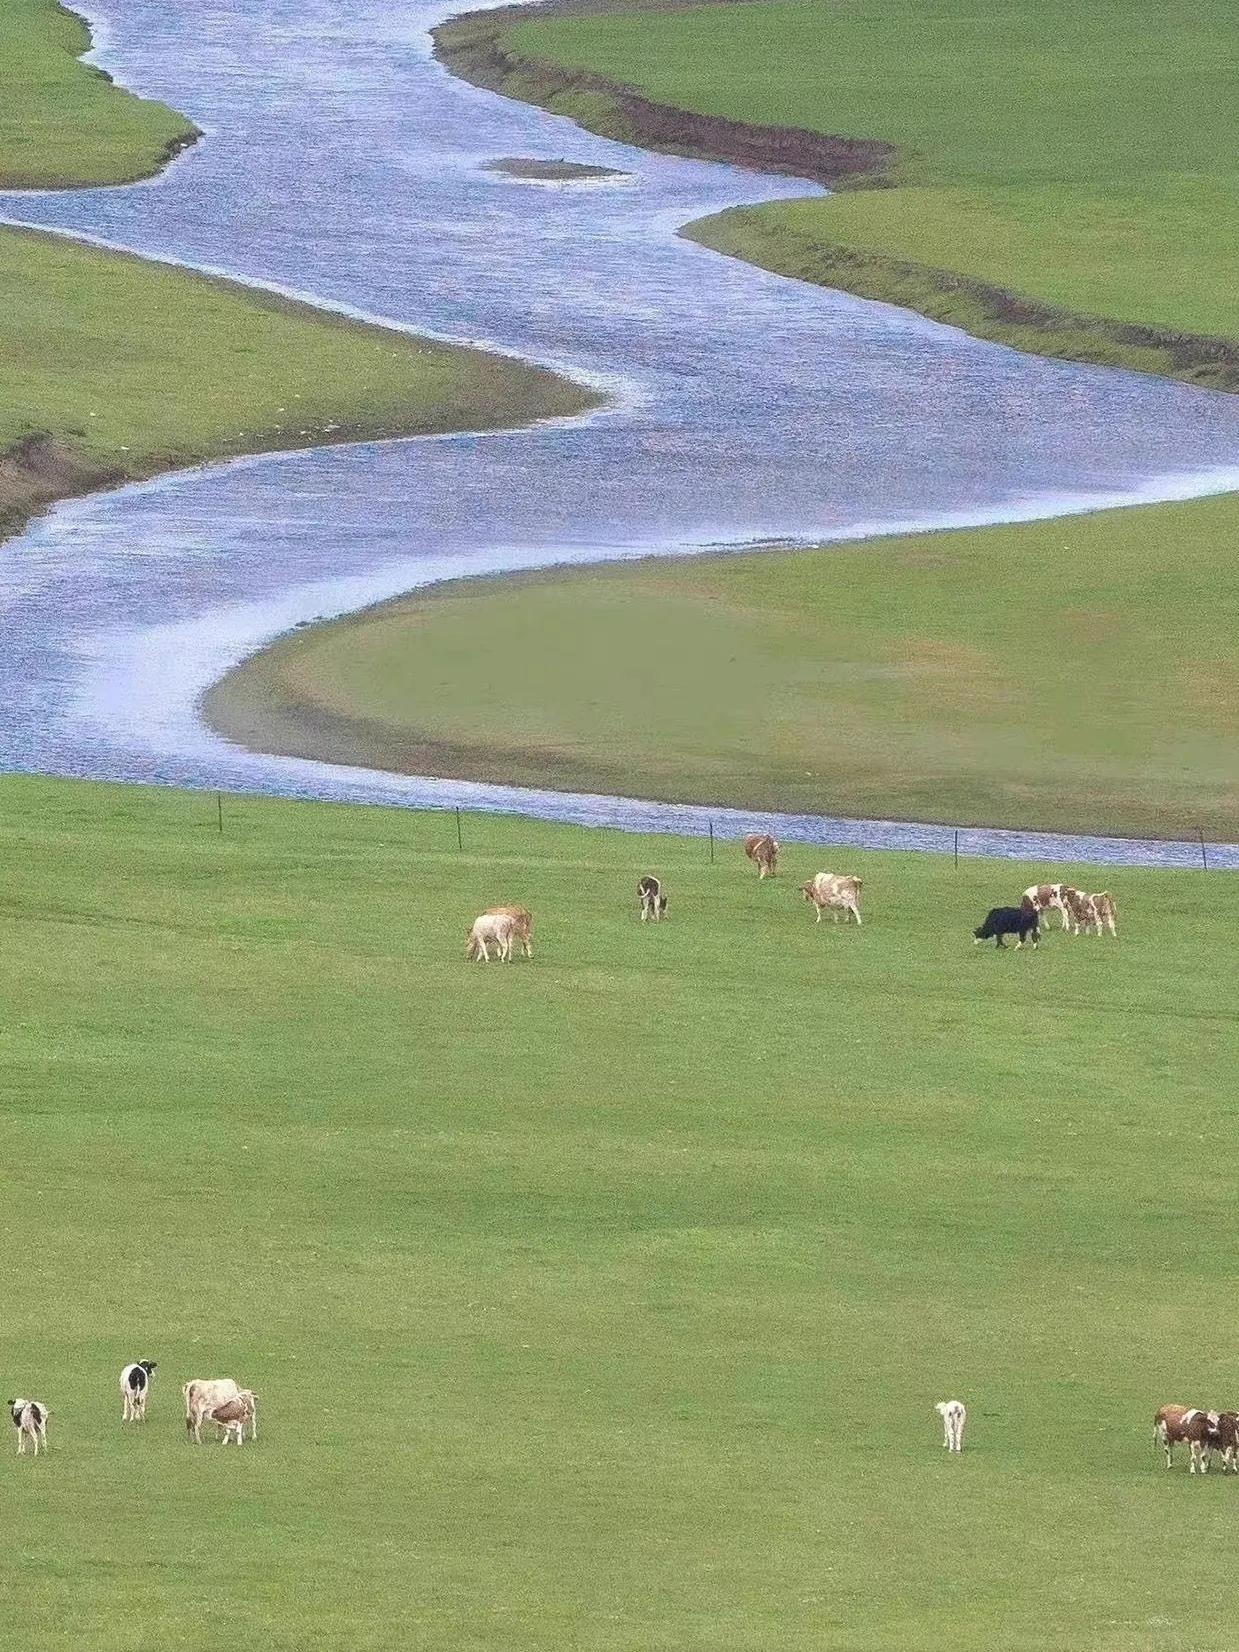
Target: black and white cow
[1021, 921]
[653, 901]
[135, 1387]
[30, 1421]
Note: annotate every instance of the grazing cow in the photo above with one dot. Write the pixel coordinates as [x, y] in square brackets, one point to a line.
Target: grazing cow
[1009, 920]
[1047, 897]
[135, 1387]
[1202, 1431]
[30, 1421]
[653, 901]
[1104, 912]
[835, 892]
[1077, 910]
[522, 925]
[495, 929]
[232, 1416]
[954, 1414]
[202, 1395]
[763, 851]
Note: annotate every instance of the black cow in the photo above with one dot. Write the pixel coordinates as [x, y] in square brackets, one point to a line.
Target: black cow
[1009, 920]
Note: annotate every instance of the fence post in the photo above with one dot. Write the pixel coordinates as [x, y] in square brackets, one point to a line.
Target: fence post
[219, 809]
[711, 843]
[460, 841]
[957, 848]
[1204, 853]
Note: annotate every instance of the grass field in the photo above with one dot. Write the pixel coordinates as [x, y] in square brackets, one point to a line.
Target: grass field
[1077, 157]
[601, 1301]
[64, 122]
[114, 367]
[1074, 675]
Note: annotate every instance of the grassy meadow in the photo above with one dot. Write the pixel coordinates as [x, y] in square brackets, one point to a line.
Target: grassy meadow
[1078, 157]
[64, 122]
[1076, 674]
[600, 1301]
[113, 367]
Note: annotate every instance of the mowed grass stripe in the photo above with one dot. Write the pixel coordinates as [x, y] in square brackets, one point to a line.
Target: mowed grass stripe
[601, 1300]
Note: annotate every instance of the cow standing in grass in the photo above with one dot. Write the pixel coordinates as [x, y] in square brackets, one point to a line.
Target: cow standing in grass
[522, 925]
[1020, 921]
[491, 929]
[763, 850]
[954, 1416]
[30, 1421]
[1103, 913]
[135, 1387]
[652, 900]
[834, 892]
[1048, 897]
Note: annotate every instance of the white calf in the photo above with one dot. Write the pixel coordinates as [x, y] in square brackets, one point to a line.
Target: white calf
[954, 1415]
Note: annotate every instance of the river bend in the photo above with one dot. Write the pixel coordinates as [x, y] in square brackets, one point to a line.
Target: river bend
[342, 163]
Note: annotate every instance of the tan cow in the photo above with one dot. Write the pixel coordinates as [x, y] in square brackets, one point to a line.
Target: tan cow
[1104, 913]
[491, 929]
[522, 925]
[763, 850]
[836, 892]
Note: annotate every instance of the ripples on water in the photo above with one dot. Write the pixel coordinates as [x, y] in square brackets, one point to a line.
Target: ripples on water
[341, 162]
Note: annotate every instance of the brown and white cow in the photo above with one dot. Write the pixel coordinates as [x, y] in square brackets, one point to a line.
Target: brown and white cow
[1202, 1431]
[232, 1416]
[1077, 910]
[651, 898]
[834, 892]
[522, 925]
[763, 850]
[1047, 897]
[1104, 911]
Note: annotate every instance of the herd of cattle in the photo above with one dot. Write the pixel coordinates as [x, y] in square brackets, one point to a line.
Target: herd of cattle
[216, 1400]
[1203, 1431]
[501, 928]
[231, 1409]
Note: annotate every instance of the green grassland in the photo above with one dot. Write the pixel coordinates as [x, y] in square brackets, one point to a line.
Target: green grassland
[63, 121]
[1078, 158]
[113, 367]
[1076, 674]
[600, 1301]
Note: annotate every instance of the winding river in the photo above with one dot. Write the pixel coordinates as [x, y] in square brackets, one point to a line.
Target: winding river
[342, 163]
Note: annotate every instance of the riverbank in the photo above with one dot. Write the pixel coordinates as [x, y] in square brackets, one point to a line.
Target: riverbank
[114, 368]
[1036, 192]
[1073, 675]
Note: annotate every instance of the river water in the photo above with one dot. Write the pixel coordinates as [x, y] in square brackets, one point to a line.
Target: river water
[342, 163]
